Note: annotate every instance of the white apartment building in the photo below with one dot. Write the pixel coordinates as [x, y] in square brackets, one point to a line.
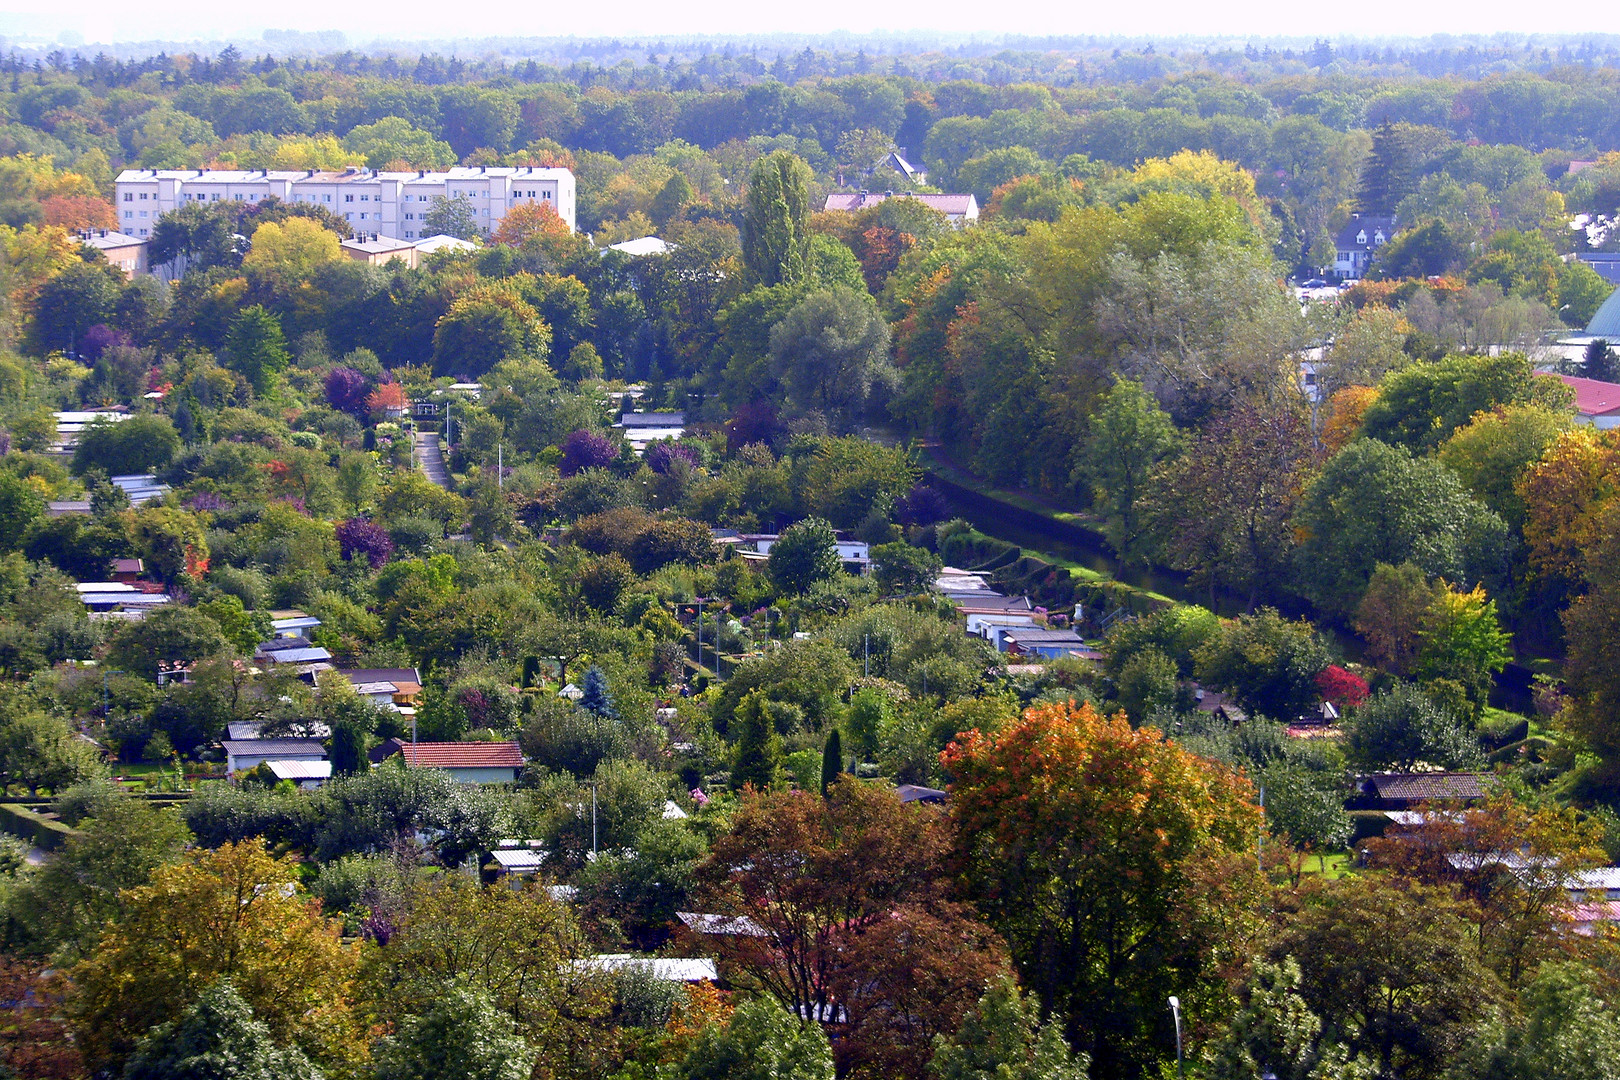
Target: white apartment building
[391, 204]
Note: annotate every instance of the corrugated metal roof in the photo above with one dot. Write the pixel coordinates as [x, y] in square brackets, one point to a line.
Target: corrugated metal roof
[519, 859]
[301, 770]
[661, 967]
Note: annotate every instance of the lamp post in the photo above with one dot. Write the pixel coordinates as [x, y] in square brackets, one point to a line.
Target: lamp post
[1175, 1013]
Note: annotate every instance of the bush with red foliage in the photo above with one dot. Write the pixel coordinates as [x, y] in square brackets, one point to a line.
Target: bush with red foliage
[1343, 688]
[583, 450]
[365, 537]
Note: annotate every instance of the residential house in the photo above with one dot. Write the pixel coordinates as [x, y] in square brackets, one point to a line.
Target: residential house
[128, 571]
[1358, 243]
[959, 210]
[1606, 263]
[721, 925]
[292, 623]
[244, 754]
[375, 250]
[435, 244]
[1404, 791]
[517, 859]
[642, 429]
[468, 762]
[910, 793]
[124, 252]
[1040, 641]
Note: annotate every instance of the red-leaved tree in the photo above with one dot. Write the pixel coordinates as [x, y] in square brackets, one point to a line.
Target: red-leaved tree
[855, 919]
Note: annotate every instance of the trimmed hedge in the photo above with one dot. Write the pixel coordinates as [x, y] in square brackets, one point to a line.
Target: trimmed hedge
[18, 820]
[1366, 824]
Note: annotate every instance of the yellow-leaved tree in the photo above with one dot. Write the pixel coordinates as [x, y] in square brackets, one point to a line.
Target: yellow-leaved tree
[234, 913]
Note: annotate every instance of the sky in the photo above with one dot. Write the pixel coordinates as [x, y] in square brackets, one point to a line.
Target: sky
[364, 21]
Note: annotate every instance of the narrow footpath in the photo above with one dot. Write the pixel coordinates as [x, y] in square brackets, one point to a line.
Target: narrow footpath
[431, 458]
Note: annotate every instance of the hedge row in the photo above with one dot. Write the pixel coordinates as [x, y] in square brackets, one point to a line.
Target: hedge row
[18, 820]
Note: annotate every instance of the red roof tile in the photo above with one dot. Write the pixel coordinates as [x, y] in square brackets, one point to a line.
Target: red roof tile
[1593, 398]
[463, 755]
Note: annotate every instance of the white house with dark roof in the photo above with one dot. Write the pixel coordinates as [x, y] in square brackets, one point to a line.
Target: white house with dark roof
[1358, 242]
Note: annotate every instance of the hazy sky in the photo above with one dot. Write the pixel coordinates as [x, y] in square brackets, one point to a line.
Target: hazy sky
[364, 21]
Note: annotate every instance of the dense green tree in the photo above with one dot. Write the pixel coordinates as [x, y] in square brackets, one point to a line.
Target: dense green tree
[194, 236]
[256, 349]
[1420, 406]
[757, 756]
[1004, 1039]
[81, 890]
[804, 554]
[830, 351]
[1409, 995]
[1267, 663]
[901, 568]
[172, 635]
[463, 1036]
[760, 1041]
[217, 1038]
[1375, 503]
[1127, 438]
[832, 759]
[775, 235]
[72, 302]
[452, 217]
[21, 505]
[1402, 727]
[139, 444]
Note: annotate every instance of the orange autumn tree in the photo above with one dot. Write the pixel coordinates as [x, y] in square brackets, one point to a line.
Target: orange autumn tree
[1090, 845]
[79, 212]
[1342, 418]
[529, 221]
[1563, 494]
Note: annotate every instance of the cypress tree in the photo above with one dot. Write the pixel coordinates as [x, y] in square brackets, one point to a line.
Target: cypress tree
[757, 759]
[832, 760]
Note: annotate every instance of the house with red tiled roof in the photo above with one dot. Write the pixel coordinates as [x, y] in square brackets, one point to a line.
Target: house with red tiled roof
[958, 209]
[469, 762]
[1596, 403]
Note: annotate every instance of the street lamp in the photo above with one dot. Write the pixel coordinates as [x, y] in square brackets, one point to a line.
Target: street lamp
[1175, 1012]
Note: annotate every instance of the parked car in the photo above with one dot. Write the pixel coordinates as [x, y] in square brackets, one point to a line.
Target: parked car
[1314, 283]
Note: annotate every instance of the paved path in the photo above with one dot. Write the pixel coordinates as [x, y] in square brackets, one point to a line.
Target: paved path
[431, 458]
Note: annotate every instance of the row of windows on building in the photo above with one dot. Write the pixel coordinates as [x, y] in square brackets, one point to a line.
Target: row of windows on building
[130, 196]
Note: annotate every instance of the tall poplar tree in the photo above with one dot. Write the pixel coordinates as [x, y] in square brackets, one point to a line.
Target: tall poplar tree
[775, 233]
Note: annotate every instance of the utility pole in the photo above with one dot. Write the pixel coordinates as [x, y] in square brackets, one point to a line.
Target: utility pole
[500, 466]
[593, 820]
